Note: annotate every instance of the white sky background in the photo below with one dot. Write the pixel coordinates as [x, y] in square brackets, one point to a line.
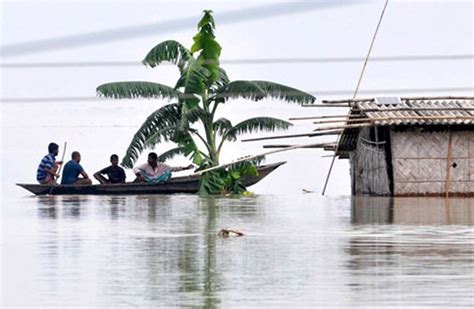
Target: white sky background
[343, 30]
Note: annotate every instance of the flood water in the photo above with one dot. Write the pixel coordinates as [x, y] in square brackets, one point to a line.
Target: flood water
[298, 250]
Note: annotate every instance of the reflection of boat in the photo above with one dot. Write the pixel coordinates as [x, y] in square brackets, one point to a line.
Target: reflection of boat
[186, 184]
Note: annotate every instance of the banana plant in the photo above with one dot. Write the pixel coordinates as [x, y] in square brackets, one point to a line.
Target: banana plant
[189, 118]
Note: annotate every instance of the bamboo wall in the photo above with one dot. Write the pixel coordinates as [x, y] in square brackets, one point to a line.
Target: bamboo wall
[369, 173]
[421, 160]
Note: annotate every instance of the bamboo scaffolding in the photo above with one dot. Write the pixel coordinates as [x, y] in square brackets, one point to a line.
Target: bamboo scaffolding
[333, 132]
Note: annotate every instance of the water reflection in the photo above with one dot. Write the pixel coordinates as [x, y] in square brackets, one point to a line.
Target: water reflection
[412, 210]
[46, 206]
[298, 250]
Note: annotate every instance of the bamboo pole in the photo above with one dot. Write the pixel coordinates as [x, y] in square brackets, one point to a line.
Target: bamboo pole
[350, 126]
[330, 105]
[321, 145]
[448, 164]
[323, 117]
[407, 108]
[249, 158]
[404, 99]
[59, 171]
[398, 118]
[356, 91]
[334, 132]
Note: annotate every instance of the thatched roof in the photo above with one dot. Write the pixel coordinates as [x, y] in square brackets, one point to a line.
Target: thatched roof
[426, 111]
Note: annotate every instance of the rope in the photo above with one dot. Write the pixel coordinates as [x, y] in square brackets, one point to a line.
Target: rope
[355, 92]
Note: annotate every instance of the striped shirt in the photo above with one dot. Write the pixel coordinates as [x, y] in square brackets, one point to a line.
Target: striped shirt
[46, 162]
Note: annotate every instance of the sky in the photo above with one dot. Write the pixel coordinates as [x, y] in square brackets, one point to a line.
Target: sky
[83, 31]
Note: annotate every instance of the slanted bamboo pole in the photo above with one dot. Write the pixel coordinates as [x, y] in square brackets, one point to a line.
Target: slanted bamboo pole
[333, 132]
[249, 158]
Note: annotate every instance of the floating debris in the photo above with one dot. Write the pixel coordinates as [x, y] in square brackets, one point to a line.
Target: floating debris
[227, 232]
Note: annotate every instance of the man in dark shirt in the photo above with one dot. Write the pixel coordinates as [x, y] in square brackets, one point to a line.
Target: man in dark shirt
[72, 170]
[115, 173]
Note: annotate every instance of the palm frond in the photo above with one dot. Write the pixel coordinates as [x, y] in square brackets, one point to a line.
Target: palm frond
[257, 124]
[157, 126]
[170, 154]
[222, 125]
[171, 51]
[222, 80]
[138, 89]
[258, 90]
[285, 93]
[240, 89]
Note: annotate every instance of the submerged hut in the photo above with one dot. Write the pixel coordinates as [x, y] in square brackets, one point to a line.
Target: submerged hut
[409, 146]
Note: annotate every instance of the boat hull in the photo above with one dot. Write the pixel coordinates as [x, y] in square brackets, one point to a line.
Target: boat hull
[187, 184]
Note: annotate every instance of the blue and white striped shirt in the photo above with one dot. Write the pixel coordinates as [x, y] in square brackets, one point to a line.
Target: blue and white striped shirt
[46, 162]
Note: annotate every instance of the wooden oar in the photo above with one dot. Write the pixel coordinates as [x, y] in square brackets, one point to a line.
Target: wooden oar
[251, 157]
[60, 167]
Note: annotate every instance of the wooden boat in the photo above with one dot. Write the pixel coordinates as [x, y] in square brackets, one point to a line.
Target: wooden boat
[186, 184]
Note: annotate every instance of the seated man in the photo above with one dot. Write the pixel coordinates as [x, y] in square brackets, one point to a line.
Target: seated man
[71, 172]
[48, 166]
[115, 174]
[154, 171]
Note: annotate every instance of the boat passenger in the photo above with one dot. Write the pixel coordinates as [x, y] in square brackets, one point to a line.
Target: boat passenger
[72, 170]
[115, 174]
[156, 172]
[48, 166]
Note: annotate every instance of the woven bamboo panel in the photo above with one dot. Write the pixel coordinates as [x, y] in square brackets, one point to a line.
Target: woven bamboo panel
[458, 186]
[432, 144]
[461, 171]
[471, 169]
[405, 170]
[431, 187]
[460, 144]
[422, 169]
[404, 145]
[430, 169]
[406, 188]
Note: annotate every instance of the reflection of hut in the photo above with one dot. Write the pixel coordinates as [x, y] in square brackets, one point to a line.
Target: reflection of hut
[409, 146]
[412, 210]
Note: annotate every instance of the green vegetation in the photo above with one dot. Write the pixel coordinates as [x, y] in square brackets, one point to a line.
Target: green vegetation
[202, 86]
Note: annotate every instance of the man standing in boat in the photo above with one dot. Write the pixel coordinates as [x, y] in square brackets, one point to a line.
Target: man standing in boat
[72, 170]
[115, 174]
[156, 172]
[48, 166]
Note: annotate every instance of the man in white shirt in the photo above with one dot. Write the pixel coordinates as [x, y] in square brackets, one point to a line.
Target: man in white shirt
[154, 171]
